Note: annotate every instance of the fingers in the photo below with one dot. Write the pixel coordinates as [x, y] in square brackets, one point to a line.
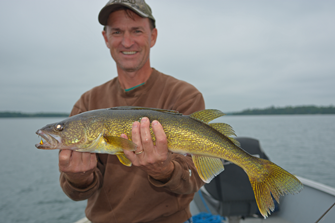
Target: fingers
[161, 140]
[135, 133]
[88, 161]
[93, 160]
[78, 167]
[155, 159]
[124, 136]
[76, 162]
[147, 142]
[76, 158]
[142, 137]
[129, 154]
[64, 157]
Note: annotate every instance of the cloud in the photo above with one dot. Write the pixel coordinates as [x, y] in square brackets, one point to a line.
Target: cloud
[239, 54]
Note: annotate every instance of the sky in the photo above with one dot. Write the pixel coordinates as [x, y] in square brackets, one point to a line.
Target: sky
[240, 54]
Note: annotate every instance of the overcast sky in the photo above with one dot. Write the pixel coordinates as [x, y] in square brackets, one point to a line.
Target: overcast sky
[239, 54]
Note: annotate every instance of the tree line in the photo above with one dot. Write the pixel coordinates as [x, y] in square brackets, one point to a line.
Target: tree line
[289, 110]
[31, 115]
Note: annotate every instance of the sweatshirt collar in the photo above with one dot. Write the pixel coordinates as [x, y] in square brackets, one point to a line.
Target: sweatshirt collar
[139, 89]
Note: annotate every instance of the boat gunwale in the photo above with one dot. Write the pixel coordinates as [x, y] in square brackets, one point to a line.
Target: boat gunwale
[317, 186]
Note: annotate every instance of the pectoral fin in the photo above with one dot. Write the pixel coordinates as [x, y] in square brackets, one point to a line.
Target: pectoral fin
[123, 159]
[207, 167]
[118, 144]
[110, 145]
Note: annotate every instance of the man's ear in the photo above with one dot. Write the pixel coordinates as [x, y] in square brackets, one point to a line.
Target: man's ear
[153, 37]
[104, 34]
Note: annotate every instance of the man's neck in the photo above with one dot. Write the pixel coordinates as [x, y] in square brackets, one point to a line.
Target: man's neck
[131, 79]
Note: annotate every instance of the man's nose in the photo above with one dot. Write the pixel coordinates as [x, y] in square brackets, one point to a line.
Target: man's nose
[127, 40]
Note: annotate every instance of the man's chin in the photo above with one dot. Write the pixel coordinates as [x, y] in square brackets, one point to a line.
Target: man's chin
[129, 68]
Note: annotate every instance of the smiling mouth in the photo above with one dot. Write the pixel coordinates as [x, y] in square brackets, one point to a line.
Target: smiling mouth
[128, 52]
[47, 141]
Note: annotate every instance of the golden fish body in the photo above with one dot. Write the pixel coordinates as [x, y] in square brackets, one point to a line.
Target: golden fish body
[99, 131]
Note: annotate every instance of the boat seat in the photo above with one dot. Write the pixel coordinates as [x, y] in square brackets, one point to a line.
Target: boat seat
[230, 193]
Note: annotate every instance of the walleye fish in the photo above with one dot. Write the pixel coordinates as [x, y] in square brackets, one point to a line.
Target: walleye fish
[99, 131]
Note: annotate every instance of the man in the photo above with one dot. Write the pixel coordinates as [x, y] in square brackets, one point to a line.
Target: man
[160, 185]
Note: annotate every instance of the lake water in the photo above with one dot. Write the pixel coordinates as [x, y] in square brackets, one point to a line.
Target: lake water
[30, 191]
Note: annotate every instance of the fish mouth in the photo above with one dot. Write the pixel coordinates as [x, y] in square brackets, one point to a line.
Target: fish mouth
[47, 141]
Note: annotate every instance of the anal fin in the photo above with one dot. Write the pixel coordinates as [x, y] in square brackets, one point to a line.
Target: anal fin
[207, 167]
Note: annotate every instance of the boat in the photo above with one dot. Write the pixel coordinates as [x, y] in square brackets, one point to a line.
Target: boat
[232, 201]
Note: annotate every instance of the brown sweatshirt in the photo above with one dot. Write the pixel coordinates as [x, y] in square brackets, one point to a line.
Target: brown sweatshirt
[123, 194]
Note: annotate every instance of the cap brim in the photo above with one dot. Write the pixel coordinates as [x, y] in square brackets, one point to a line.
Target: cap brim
[105, 11]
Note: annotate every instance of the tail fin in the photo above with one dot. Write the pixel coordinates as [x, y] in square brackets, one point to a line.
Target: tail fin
[275, 181]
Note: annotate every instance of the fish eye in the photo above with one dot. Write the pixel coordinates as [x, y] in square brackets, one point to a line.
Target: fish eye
[59, 127]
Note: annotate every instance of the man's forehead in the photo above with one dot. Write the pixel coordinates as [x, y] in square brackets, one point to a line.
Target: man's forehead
[125, 18]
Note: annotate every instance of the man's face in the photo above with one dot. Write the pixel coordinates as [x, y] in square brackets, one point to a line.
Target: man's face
[129, 40]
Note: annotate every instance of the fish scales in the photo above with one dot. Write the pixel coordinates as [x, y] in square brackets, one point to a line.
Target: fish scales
[99, 131]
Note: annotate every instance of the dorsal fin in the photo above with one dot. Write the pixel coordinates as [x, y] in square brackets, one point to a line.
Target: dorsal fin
[226, 130]
[144, 108]
[207, 115]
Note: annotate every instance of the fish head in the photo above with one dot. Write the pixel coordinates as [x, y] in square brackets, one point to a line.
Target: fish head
[72, 133]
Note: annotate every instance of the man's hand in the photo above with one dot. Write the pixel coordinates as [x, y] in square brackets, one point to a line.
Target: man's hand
[78, 167]
[153, 159]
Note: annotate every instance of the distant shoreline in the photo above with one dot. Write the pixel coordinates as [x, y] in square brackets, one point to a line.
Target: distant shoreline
[32, 115]
[289, 110]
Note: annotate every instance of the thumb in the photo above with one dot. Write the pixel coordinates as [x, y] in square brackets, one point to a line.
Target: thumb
[64, 157]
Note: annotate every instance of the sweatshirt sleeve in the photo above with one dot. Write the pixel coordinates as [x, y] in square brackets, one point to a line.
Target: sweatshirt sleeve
[78, 194]
[71, 191]
[185, 178]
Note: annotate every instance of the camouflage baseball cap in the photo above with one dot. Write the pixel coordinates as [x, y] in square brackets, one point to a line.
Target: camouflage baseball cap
[138, 6]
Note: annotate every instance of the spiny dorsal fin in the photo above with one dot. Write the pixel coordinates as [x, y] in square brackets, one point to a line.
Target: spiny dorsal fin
[144, 108]
[226, 130]
[207, 115]
[207, 167]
